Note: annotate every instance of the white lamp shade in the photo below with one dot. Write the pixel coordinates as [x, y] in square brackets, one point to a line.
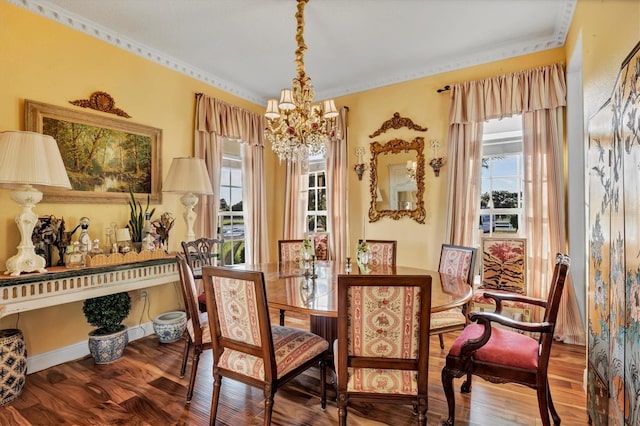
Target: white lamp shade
[286, 99]
[29, 158]
[272, 109]
[122, 234]
[330, 110]
[188, 175]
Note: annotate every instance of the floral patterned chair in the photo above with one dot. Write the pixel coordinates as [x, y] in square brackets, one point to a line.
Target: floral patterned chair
[506, 355]
[198, 254]
[289, 250]
[380, 355]
[381, 252]
[197, 323]
[458, 261]
[246, 347]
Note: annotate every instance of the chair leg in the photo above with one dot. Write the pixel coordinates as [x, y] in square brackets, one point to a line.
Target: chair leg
[466, 385]
[282, 317]
[194, 370]
[542, 404]
[185, 355]
[323, 383]
[341, 402]
[441, 341]
[421, 407]
[447, 386]
[217, 379]
[552, 408]
[268, 404]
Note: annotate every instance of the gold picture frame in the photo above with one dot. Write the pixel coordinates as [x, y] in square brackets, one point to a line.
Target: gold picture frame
[104, 156]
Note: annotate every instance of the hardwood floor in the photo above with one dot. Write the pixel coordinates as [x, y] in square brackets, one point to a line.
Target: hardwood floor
[144, 388]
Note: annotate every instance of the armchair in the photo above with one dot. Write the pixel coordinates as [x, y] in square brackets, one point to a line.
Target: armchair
[502, 355]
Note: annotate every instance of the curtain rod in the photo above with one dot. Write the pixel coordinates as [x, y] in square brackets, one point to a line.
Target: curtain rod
[444, 89]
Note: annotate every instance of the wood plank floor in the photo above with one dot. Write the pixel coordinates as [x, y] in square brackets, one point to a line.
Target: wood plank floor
[144, 388]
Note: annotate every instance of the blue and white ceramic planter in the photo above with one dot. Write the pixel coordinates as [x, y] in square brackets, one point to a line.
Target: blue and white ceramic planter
[170, 326]
[106, 348]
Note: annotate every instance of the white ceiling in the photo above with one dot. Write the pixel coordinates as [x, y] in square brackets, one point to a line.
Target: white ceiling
[246, 47]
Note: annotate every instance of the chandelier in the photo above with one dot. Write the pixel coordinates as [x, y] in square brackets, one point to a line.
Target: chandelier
[296, 128]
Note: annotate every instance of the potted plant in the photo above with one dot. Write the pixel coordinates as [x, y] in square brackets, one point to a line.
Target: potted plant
[137, 217]
[109, 340]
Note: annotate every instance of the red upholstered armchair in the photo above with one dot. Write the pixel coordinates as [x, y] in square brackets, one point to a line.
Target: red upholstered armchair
[502, 355]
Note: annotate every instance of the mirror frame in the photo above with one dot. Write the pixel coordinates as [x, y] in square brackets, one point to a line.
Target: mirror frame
[395, 146]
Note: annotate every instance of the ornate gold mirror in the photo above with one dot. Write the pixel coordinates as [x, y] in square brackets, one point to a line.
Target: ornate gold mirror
[397, 180]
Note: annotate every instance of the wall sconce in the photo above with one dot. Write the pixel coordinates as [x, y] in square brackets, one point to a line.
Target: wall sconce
[436, 162]
[360, 167]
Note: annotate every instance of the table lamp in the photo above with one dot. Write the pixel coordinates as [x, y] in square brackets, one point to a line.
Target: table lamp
[29, 161]
[188, 176]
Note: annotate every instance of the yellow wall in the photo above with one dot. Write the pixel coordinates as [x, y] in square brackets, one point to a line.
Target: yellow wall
[609, 29]
[54, 64]
[47, 62]
[418, 244]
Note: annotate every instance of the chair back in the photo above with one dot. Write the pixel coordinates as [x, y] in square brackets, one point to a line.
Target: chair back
[239, 321]
[383, 252]
[200, 252]
[458, 261]
[556, 289]
[189, 294]
[289, 250]
[383, 334]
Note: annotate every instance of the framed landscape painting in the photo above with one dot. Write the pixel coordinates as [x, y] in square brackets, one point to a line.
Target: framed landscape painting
[105, 157]
[504, 264]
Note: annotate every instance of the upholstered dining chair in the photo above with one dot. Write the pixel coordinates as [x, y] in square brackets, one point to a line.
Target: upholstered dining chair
[289, 250]
[197, 324]
[199, 253]
[458, 261]
[382, 351]
[246, 347]
[382, 252]
[502, 355]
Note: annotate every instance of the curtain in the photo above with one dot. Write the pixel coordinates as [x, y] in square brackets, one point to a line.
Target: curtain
[539, 95]
[295, 202]
[216, 120]
[337, 191]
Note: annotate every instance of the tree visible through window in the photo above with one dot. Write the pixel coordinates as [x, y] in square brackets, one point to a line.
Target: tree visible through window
[230, 215]
[501, 195]
[317, 201]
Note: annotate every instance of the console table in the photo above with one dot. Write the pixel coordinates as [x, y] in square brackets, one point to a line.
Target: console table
[61, 285]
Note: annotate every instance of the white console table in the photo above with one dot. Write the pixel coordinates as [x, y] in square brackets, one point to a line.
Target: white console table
[61, 285]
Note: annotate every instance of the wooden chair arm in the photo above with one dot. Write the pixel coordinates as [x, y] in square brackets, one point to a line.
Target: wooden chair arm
[486, 318]
[513, 297]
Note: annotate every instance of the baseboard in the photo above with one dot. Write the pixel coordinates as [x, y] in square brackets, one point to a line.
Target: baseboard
[78, 350]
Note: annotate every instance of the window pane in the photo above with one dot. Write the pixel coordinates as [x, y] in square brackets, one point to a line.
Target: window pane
[504, 199]
[311, 204]
[312, 180]
[322, 224]
[322, 201]
[225, 198]
[505, 166]
[236, 177]
[321, 181]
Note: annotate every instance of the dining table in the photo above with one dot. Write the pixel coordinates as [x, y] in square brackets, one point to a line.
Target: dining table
[313, 288]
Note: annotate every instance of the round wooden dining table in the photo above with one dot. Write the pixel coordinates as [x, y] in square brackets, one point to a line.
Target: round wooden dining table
[292, 287]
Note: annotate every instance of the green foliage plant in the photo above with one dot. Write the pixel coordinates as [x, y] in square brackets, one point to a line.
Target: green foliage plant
[107, 312]
[137, 215]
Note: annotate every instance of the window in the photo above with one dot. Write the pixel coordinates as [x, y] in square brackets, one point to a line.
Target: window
[501, 200]
[230, 215]
[317, 196]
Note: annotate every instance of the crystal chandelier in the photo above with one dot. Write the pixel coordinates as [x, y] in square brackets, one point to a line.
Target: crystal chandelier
[296, 128]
